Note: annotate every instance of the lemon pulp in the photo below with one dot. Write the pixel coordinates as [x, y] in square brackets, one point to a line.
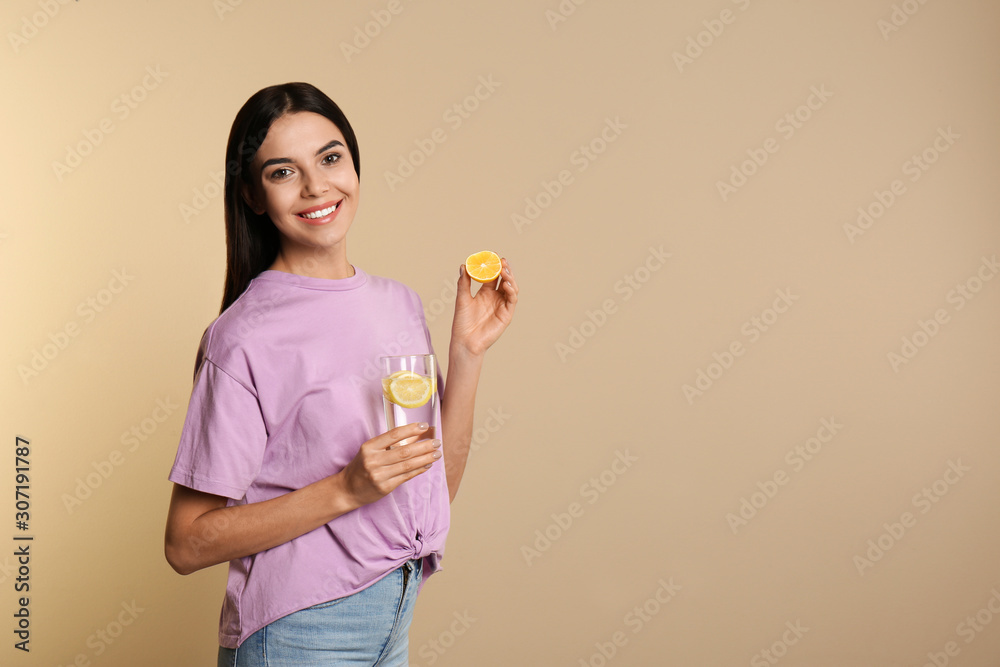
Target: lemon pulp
[408, 389]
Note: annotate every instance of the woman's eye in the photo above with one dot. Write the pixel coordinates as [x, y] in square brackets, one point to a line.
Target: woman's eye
[278, 174]
[331, 158]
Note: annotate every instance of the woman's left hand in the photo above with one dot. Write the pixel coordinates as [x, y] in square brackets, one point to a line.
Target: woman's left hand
[480, 319]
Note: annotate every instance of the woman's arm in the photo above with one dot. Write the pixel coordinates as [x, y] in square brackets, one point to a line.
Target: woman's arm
[479, 321]
[457, 409]
[201, 531]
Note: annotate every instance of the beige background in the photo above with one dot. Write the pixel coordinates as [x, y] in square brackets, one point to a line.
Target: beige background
[566, 418]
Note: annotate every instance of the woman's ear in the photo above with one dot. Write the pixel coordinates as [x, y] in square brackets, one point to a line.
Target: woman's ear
[248, 197]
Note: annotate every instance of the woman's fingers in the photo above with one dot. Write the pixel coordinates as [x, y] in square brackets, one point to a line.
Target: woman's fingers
[392, 438]
[389, 463]
[405, 463]
[416, 456]
[508, 284]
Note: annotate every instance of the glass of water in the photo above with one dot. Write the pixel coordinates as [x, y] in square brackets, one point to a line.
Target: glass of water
[409, 392]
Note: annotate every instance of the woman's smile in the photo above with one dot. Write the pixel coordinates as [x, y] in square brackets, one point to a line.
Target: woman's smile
[320, 215]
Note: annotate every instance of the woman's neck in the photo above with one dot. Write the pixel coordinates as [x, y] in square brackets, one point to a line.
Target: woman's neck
[315, 264]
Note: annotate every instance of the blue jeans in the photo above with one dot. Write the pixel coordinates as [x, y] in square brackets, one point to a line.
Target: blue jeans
[370, 628]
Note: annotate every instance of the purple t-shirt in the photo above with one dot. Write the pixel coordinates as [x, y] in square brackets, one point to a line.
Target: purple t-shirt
[286, 390]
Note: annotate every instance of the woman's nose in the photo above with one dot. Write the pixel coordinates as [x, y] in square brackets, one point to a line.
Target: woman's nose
[314, 184]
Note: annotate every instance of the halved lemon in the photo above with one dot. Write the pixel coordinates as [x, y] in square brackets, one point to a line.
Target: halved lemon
[483, 266]
[408, 389]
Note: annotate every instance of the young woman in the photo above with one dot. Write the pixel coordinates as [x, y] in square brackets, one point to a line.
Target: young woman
[330, 528]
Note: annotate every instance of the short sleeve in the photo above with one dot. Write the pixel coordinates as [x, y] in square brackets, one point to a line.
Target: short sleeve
[223, 439]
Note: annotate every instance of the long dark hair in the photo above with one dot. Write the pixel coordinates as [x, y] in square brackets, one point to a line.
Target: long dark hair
[252, 240]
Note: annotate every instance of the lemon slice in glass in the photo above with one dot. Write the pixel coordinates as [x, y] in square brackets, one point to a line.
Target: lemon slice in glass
[408, 389]
[387, 380]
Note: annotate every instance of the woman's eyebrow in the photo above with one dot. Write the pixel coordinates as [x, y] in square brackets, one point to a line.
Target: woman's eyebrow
[288, 160]
[328, 147]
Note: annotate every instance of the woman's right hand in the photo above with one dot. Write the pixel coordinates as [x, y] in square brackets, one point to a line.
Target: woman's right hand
[382, 463]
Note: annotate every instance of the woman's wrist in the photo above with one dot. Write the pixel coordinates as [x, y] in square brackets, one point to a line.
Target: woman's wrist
[460, 353]
[341, 500]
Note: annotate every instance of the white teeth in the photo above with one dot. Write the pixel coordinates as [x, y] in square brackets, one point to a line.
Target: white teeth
[320, 214]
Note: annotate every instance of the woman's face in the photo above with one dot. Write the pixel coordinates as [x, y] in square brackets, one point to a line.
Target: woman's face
[303, 178]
